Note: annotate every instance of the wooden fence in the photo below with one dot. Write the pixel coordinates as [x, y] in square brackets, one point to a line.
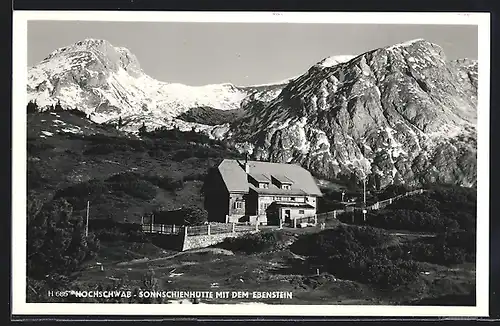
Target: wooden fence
[208, 229]
[323, 217]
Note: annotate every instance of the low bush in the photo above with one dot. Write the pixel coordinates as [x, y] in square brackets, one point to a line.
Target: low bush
[392, 191]
[166, 182]
[183, 154]
[133, 185]
[78, 194]
[359, 254]
[37, 147]
[121, 234]
[411, 220]
[449, 248]
[103, 149]
[195, 177]
[191, 215]
[127, 183]
[57, 243]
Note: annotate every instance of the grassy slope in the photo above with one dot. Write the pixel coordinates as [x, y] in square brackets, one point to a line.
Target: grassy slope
[62, 160]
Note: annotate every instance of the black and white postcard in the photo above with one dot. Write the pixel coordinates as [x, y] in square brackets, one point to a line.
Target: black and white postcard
[250, 164]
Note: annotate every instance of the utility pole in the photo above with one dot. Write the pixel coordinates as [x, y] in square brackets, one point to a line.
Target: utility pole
[87, 224]
[364, 191]
[364, 198]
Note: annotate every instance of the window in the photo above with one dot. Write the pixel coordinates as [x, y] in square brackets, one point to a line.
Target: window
[301, 211]
[264, 185]
[292, 198]
[287, 187]
[278, 198]
[238, 204]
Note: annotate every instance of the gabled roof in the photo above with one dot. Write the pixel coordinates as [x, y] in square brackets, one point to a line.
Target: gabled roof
[236, 180]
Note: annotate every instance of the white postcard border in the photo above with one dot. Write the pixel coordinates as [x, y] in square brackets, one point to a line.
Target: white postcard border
[19, 135]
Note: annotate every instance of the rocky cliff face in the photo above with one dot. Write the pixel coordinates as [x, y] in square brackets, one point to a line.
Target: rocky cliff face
[397, 114]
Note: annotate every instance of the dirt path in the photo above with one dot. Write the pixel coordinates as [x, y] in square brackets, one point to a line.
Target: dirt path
[147, 260]
[402, 234]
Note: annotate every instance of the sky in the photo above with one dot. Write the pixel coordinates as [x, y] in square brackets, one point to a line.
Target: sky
[241, 53]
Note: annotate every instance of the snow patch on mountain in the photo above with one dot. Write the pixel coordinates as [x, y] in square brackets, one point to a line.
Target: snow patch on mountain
[335, 60]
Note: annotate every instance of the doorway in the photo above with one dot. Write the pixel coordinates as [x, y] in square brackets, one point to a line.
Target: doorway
[287, 216]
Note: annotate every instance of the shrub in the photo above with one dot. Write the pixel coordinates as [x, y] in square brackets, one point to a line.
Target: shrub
[357, 253]
[56, 241]
[77, 113]
[34, 177]
[392, 191]
[195, 176]
[194, 215]
[78, 194]
[421, 203]
[103, 149]
[132, 184]
[455, 247]
[166, 182]
[36, 147]
[183, 154]
[102, 144]
[411, 220]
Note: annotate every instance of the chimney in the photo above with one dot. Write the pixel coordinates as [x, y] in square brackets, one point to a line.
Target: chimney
[247, 166]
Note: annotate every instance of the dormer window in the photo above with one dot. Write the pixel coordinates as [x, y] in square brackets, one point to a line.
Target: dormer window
[259, 181]
[282, 182]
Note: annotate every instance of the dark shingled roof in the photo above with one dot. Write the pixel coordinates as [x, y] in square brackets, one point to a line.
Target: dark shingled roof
[236, 180]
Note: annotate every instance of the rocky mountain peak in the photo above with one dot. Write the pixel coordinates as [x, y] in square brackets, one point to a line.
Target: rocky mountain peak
[107, 82]
[390, 113]
[98, 55]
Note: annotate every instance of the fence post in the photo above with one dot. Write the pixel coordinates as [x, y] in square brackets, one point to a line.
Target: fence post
[390, 201]
[315, 219]
[208, 229]
[162, 229]
[186, 231]
[256, 226]
[173, 228]
[294, 222]
[232, 227]
[334, 214]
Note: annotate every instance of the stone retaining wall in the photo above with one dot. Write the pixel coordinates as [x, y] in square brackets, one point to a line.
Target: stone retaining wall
[202, 241]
